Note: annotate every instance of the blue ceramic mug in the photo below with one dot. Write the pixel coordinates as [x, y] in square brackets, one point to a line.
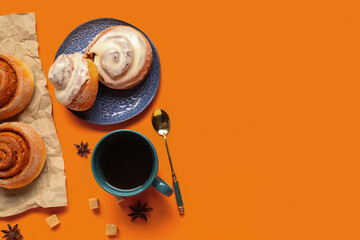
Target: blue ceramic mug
[101, 154]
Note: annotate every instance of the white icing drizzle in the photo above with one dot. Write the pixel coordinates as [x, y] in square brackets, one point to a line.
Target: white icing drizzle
[119, 55]
[68, 73]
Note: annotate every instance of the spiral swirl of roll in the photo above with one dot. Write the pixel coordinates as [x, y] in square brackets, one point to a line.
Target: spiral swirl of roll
[22, 154]
[8, 82]
[117, 56]
[16, 85]
[122, 55]
[14, 154]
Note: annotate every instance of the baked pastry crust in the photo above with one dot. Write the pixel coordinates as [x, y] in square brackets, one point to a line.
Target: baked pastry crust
[87, 94]
[22, 154]
[76, 81]
[123, 56]
[16, 85]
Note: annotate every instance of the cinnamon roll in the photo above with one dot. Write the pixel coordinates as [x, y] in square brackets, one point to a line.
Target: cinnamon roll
[22, 154]
[76, 81]
[122, 55]
[16, 85]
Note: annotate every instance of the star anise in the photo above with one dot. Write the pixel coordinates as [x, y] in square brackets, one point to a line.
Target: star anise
[139, 211]
[83, 149]
[12, 233]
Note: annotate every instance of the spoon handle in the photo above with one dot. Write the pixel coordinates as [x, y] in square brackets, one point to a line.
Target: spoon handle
[175, 182]
[178, 196]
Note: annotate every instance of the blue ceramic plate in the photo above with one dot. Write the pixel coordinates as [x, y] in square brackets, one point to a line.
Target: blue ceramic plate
[111, 105]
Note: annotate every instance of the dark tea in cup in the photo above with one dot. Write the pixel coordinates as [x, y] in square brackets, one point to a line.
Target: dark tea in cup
[126, 161]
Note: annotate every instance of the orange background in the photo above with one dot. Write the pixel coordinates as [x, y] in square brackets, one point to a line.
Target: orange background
[263, 98]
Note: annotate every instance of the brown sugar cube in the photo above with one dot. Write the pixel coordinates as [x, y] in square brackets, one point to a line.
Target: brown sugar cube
[119, 199]
[111, 229]
[94, 203]
[53, 220]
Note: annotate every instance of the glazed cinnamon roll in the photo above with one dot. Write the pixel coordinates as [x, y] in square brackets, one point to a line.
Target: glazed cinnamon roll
[76, 81]
[122, 55]
[16, 85]
[22, 154]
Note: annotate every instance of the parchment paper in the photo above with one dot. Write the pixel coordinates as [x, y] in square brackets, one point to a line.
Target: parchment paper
[18, 38]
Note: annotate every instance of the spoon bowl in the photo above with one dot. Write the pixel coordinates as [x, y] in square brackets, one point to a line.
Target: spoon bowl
[161, 122]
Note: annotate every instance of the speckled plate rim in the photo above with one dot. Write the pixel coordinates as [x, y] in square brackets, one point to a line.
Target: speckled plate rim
[156, 87]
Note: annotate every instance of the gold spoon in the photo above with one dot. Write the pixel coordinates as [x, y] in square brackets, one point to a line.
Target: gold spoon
[161, 123]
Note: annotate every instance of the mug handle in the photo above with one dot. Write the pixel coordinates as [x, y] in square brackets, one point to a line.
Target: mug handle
[162, 186]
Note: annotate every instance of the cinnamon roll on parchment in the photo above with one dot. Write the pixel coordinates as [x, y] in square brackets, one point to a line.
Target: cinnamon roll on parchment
[76, 81]
[22, 154]
[16, 85]
[122, 55]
